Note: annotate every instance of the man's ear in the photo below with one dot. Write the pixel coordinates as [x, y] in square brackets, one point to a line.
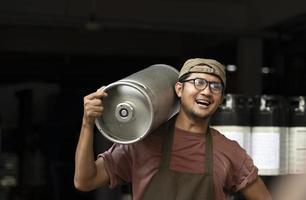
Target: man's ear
[178, 88]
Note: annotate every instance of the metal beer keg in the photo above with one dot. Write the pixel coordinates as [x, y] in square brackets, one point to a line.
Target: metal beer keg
[233, 119]
[270, 135]
[138, 104]
[297, 135]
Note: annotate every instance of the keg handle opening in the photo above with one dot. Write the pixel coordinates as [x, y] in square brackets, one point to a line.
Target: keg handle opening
[301, 104]
[229, 101]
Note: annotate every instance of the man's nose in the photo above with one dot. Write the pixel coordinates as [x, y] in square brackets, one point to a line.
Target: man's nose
[206, 90]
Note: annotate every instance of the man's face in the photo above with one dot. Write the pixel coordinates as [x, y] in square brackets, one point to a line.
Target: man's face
[200, 104]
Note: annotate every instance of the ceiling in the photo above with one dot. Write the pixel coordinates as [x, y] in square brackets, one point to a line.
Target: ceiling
[65, 36]
[60, 22]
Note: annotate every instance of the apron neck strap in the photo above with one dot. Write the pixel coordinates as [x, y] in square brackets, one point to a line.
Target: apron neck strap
[209, 164]
[167, 145]
[208, 152]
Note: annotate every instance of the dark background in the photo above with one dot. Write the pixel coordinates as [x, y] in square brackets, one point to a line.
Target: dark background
[53, 53]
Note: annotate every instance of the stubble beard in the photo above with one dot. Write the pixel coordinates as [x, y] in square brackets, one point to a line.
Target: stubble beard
[198, 117]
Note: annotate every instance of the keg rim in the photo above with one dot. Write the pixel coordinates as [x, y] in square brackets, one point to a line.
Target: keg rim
[141, 88]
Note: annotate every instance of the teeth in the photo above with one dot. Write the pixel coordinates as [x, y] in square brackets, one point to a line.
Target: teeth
[201, 101]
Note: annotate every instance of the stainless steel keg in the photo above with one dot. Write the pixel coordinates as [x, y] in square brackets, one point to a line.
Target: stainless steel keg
[297, 135]
[138, 104]
[233, 119]
[270, 135]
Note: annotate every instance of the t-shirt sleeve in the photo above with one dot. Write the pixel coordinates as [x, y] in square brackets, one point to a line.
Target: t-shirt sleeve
[242, 171]
[246, 175]
[117, 164]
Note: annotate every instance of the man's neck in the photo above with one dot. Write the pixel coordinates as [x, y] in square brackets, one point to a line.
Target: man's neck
[186, 123]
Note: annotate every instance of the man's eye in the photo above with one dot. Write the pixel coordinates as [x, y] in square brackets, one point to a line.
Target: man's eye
[201, 82]
[216, 85]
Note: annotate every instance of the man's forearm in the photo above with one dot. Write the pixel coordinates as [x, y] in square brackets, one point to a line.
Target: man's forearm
[85, 168]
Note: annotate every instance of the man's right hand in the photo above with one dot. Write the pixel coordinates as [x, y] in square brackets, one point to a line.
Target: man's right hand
[93, 106]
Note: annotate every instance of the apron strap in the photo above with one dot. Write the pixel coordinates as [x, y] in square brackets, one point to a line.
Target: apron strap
[209, 164]
[167, 145]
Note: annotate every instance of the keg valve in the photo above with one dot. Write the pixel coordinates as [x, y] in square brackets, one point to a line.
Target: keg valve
[124, 112]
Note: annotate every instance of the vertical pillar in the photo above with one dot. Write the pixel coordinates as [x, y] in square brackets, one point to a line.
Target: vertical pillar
[249, 59]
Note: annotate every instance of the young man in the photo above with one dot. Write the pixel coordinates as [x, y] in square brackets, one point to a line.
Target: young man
[184, 158]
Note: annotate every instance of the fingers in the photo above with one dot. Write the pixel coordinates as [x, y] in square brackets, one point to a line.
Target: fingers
[93, 104]
[101, 88]
[93, 111]
[100, 93]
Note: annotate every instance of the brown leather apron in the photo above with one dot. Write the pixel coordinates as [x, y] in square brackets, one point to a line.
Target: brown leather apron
[171, 185]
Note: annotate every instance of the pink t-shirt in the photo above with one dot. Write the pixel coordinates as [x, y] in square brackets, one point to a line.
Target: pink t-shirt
[138, 162]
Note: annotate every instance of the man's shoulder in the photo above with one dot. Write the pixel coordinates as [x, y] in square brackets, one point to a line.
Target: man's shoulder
[224, 142]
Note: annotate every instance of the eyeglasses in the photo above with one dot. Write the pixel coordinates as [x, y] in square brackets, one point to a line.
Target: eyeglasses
[201, 84]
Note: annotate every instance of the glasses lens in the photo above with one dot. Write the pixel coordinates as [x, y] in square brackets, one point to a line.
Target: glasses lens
[216, 87]
[200, 84]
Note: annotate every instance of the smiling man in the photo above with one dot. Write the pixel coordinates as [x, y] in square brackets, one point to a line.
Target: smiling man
[184, 158]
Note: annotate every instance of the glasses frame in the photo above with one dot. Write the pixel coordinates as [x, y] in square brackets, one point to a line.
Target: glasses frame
[207, 83]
